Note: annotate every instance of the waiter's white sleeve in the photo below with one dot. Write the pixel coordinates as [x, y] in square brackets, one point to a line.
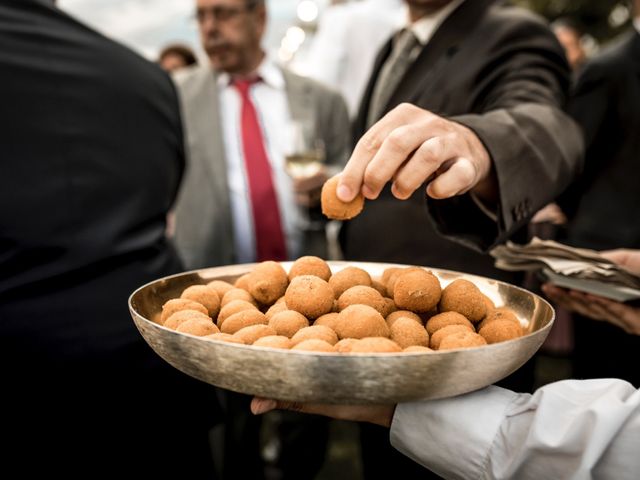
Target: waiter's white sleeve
[574, 429]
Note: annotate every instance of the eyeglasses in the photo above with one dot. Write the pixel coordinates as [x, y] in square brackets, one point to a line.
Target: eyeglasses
[220, 13]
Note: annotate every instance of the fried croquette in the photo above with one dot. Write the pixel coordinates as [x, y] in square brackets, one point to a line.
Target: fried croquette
[309, 295]
[182, 316]
[204, 295]
[346, 345]
[328, 320]
[177, 304]
[488, 303]
[288, 322]
[464, 297]
[389, 307]
[310, 265]
[441, 320]
[237, 294]
[375, 345]
[319, 332]
[336, 209]
[407, 332]
[386, 275]
[379, 286]
[462, 340]
[393, 276]
[276, 308]
[220, 286]
[501, 331]
[314, 345]
[198, 327]
[253, 332]
[349, 277]
[224, 337]
[267, 282]
[361, 295]
[360, 321]
[417, 349]
[393, 316]
[416, 290]
[233, 307]
[242, 282]
[274, 341]
[441, 333]
[244, 318]
[501, 313]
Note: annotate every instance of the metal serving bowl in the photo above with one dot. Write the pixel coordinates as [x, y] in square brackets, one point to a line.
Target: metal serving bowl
[338, 378]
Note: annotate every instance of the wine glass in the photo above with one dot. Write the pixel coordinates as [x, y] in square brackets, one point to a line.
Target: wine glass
[305, 153]
[304, 162]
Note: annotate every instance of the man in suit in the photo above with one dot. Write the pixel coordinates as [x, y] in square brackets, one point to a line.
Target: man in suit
[238, 203]
[216, 212]
[484, 137]
[601, 204]
[499, 72]
[92, 155]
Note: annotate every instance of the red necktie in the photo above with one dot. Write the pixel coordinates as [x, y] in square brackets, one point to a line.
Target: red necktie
[270, 243]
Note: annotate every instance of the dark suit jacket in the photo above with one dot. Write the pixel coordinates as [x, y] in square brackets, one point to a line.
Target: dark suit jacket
[91, 155]
[499, 71]
[601, 204]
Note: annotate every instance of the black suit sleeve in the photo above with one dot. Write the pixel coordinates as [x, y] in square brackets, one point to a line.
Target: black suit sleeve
[591, 107]
[536, 149]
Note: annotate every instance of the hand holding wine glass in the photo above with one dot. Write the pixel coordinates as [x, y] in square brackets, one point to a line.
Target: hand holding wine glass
[305, 157]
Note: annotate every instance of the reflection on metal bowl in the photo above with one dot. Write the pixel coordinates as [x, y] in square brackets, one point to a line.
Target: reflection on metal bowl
[338, 378]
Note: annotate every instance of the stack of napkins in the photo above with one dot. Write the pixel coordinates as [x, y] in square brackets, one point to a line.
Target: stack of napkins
[569, 267]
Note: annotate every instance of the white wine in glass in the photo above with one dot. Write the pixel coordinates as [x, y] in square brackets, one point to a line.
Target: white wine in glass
[305, 164]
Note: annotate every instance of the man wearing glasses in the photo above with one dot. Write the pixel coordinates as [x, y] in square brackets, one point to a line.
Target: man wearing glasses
[238, 202]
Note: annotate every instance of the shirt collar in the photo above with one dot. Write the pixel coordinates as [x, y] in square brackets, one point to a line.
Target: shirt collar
[268, 71]
[636, 24]
[424, 28]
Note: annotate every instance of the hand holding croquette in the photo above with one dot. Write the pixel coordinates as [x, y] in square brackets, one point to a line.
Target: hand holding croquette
[410, 146]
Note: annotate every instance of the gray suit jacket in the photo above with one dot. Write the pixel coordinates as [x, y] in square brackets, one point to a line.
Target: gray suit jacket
[204, 231]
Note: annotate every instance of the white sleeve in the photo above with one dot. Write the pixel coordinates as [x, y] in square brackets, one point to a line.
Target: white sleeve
[575, 429]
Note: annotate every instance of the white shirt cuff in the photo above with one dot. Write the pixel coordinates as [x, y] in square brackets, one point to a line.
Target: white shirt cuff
[453, 436]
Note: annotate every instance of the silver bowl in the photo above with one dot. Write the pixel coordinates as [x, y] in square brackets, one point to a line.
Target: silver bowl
[337, 378]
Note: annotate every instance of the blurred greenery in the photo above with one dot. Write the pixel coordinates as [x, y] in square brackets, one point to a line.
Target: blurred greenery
[602, 19]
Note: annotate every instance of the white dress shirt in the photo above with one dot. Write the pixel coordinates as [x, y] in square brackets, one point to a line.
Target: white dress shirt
[270, 101]
[636, 24]
[574, 429]
[426, 27]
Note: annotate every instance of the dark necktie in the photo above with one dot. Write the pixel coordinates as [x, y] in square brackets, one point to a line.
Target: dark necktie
[401, 57]
[270, 242]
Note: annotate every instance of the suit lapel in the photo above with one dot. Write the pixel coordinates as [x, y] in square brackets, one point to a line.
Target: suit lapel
[207, 146]
[421, 76]
[360, 123]
[299, 100]
[207, 129]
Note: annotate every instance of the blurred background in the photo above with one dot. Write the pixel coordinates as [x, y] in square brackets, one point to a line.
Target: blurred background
[148, 25]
